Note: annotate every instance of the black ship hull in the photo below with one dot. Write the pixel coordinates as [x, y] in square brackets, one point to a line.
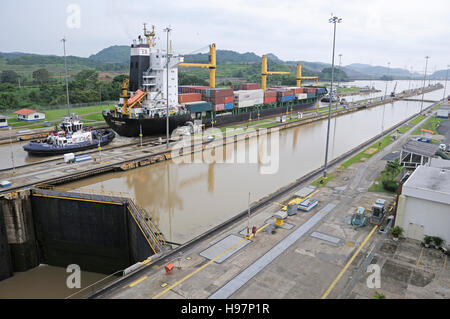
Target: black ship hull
[44, 149]
[131, 127]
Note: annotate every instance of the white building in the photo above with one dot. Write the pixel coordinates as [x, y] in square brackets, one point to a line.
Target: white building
[424, 204]
[29, 115]
[3, 121]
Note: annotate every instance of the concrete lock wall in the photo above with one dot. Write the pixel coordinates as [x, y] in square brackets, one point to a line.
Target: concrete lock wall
[19, 228]
[6, 269]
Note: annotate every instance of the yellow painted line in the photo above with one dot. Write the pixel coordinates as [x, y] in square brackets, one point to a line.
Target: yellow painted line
[79, 199]
[136, 282]
[420, 256]
[204, 266]
[325, 295]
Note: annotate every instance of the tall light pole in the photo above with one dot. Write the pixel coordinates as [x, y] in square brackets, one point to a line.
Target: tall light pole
[67, 81]
[333, 20]
[168, 29]
[389, 71]
[424, 79]
[445, 87]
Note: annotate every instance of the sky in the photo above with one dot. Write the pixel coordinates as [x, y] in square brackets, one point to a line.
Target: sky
[373, 32]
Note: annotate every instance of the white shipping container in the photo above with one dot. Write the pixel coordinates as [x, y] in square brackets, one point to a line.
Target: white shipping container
[248, 103]
[248, 95]
[301, 96]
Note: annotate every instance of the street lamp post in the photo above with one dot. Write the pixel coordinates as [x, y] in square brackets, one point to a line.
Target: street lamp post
[67, 81]
[446, 78]
[333, 20]
[389, 71]
[424, 79]
[168, 29]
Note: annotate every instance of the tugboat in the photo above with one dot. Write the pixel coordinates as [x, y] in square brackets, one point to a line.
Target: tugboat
[70, 137]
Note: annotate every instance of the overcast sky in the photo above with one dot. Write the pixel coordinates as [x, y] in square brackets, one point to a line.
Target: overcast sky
[372, 31]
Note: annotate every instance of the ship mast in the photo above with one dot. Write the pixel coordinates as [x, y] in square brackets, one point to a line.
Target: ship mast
[150, 35]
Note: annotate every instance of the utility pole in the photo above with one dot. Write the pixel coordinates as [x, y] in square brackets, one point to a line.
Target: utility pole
[333, 20]
[12, 153]
[446, 78]
[67, 81]
[424, 79]
[168, 29]
[389, 71]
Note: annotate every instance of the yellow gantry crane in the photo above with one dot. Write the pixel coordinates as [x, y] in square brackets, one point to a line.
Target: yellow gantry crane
[265, 73]
[299, 77]
[211, 65]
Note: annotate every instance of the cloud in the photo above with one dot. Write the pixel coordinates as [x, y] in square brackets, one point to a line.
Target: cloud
[372, 31]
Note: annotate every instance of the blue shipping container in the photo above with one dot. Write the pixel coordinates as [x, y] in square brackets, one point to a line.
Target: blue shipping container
[229, 106]
[311, 95]
[196, 107]
[286, 98]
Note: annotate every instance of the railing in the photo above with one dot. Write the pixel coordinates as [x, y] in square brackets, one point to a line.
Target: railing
[150, 231]
[94, 284]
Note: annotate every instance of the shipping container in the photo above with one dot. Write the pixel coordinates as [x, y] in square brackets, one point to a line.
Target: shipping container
[196, 107]
[189, 97]
[229, 106]
[270, 99]
[302, 96]
[249, 86]
[270, 94]
[285, 98]
[219, 107]
[311, 95]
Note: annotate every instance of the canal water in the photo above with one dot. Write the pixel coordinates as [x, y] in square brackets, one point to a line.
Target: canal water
[186, 200]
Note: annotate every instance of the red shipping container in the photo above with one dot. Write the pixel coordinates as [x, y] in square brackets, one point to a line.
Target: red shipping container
[270, 94]
[189, 97]
[229, 99]
[270, 99]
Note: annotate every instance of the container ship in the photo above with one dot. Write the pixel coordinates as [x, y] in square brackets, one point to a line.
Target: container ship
[152, 83]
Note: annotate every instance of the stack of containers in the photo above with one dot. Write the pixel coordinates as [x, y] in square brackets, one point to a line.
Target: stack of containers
[189, 97]
[321, 91]
[248, 86]
[220, 99]
[284, 94]
[299, 93]
[270, 97]
[248, 98]
[311, 92]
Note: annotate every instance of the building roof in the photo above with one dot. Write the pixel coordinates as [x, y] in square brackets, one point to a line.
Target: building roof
[429, 183]
[439, 163]
[27, 112]
[420, 148]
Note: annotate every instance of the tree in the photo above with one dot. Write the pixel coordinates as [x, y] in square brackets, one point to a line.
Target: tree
[8, 101]
[9, 76]
[339, 75]
[42, 76]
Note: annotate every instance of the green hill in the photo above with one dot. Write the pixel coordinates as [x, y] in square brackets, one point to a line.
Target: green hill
[113, 54]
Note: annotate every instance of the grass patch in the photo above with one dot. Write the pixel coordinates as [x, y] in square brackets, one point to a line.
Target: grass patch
[404, 129]
[58, 114]
[431, 125]
[417, 120]
[385, 141]
[322, 182]
[386, 174]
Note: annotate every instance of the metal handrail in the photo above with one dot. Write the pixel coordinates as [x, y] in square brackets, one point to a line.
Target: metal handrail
[76, 293]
